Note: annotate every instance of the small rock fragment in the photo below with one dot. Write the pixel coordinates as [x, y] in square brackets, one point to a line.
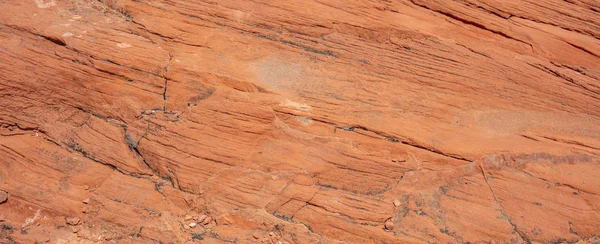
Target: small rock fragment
[193, 224]
[397, 203]
[256, 235]
[86, 187]
[86, 201]
[1, 218]
[123, 45]
[73, 221]
[201, 219]
[207, 220]
[271, 233]
[389, 225]
[3, 196]
[188, 217]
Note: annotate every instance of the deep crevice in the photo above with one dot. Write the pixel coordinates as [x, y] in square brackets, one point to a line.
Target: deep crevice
[53, 39]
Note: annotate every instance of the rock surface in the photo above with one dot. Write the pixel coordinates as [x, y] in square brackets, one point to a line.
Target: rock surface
[317, 121]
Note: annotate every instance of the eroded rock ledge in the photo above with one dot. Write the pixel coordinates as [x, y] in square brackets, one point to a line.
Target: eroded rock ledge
[300, 121]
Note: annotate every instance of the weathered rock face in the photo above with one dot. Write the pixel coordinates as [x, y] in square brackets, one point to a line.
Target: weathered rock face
[300, 121]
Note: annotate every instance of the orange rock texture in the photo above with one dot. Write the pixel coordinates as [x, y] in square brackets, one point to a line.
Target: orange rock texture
[300, 121]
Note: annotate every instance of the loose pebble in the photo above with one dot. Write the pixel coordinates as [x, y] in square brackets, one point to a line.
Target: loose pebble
[201, 218]
[389, 225]
[73, 220]
[3, 197]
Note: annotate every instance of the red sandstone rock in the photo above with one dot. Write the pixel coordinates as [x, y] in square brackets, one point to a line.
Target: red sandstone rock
[389, 225]
[207, 220]
[201, 218]
[73, 220]
[464, 121]
[3, 197]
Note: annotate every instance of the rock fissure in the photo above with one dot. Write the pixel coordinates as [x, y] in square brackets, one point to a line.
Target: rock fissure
[164, 95]
[501, 210]
[474, 24]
